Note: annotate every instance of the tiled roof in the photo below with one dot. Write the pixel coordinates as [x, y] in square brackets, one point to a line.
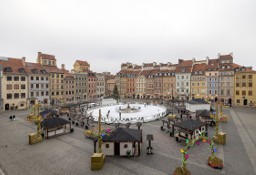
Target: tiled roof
[54, 69]
[123, 135]
[46, 56]
[190, 124]
[212, 65]
[145, 73]
[82, 63]
[197, 68]
[68, 75]
[14, 63]
[185, 63]
[30, 66]
[148, 65]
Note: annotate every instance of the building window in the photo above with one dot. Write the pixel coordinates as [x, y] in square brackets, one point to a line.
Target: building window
[42, 93]
[46, 92]
[42, 78]
[125, 146]
[37, 78]
[238, 101]
[243, 76]
[9, 86]
[237, 84]
[243, 92]
[31, 94]
[23, 86]
[37, 94]
[37, 86]
[250, 76]
[243, 84]
[16, 95]
[9, 78]
[23, 78]
[23, 95]
[32, 86]
[9, 96]
[107, 145]
[237, 92]
[16, 86]
[250, 84]
[16, 79]
[31, 78]
[250, 93]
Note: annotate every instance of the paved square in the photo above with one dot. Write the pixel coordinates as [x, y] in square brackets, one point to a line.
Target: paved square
[70, 154]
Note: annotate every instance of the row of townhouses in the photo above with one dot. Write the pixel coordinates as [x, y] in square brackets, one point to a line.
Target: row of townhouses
[210, 79]
[24, 84]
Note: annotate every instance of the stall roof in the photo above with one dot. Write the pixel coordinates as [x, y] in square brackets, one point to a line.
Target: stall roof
[197, 101]
[53, 122]
[203, 113]
[47, 111]
[190, 124]
[123, 135]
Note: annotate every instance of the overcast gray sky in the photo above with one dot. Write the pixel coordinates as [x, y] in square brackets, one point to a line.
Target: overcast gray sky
[107, 33]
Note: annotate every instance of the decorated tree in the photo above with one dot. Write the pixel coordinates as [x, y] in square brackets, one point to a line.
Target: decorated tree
[116, 93]
[213, 161]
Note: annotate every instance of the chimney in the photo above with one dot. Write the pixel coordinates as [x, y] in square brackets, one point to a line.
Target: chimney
[207, 60]
[180, 61]
[23, 60]
[218, 55]
[231, 54]
[62, 66]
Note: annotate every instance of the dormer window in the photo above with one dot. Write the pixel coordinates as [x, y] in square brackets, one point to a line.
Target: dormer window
[21, 70]
[34, 71]
[43, 71]
[7, 69]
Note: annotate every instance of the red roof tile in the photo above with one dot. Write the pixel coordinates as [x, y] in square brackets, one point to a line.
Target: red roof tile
[14, 63]
[46, 56]
[82, 63]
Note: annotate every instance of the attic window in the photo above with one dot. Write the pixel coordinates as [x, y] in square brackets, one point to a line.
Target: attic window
[43, 71]
[34, 71]
[7, 69]
[21, 70]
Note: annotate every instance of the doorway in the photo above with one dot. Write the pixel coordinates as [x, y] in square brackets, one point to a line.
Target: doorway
[7, 106]
[245, 102]
[230, 102]
[117, 148]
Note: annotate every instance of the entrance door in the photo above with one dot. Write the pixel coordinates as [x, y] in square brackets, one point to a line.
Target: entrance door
[117, 148]
[7, 106]
[230, 102]
[245, 102]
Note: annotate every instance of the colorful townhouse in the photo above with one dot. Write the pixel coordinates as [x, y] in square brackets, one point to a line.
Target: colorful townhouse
[56, 77]
[183, 75]
[14, 84]
[1, 76]
[100, 88]
[245, 86]
[69, 87]
[198, 82]
[212, 79]
[226, 78]
[140, 84]
[91, 85]
[38, 84]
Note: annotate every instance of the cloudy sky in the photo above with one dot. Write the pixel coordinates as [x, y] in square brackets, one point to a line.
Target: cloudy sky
[107, 33]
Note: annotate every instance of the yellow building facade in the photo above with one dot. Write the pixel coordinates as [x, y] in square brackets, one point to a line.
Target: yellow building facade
[245, 87]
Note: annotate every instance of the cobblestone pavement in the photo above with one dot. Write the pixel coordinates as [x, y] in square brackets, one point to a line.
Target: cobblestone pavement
[70, 154]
